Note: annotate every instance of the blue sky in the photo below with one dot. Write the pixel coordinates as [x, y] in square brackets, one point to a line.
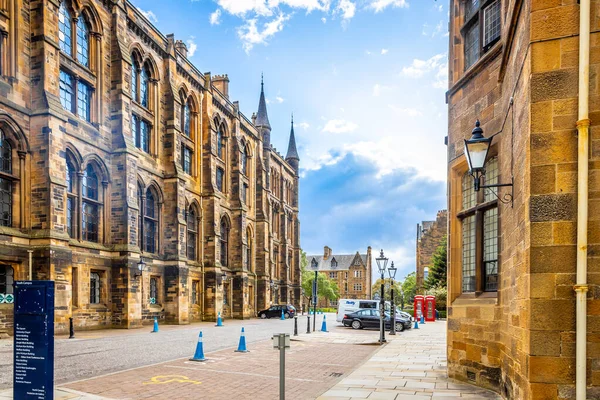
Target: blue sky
[365, 80]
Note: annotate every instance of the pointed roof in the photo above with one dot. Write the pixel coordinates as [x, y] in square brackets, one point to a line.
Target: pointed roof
[262, 119]
[292, 152]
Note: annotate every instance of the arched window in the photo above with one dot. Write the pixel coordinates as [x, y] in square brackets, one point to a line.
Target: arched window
[224, 241]
[71, 199]
[90, 204]
[65, 30]
[140, 193]
[134, 80]
[245, 161]
[186, 119]
[334, 263]
[5, 183]
[144, 87]
[248, 250]
[220, 142]
[314, 263]
[6, 279]
[150, 222]
[83, 42]
[192, 233]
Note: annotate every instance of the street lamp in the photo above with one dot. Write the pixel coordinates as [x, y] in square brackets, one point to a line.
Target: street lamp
[141, 265]
[477, 150]
[392, 271]
[381, 264]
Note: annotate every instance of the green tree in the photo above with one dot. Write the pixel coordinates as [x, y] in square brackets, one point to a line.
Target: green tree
[437, 271]
[409, 288]
[441, 296]
[388, 289]
[326, 288]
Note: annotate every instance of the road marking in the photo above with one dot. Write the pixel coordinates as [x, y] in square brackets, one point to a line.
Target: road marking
[241, 373]
[161, 379]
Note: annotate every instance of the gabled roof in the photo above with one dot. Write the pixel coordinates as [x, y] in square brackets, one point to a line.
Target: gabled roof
[345, 261]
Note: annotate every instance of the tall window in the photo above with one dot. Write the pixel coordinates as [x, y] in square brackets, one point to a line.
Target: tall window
[220, 179]
[245, 161]
[5, 182]
[134, 80]
[153, 290]
[144, 87]
[482, 28]
[6, 279]
[71, 200]
[186, 119]
[480, 219]
[65, 30]
[186, 159]
[141, 131]
[220, 143]
[75, 100]
[245, 193]
[94, 288]
[195, 285]
[192, 233]
[140, 194]
[66, 91]
[84, 97]
[150, 222]
[224, 241]
[248, 249]
[83, 42]
[90, 204]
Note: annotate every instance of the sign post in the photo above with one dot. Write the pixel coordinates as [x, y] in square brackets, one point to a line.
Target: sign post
[33, 367]
[315, 301]
[281, 341]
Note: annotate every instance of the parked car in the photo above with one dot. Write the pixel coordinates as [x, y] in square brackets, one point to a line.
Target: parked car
[289, 311]
[370, 319]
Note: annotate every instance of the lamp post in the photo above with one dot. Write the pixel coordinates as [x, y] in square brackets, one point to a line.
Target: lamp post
[381, 264]
[392, 271]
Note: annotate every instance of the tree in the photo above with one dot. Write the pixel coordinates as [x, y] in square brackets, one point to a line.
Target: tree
[326, 288]
[409, 288]
[441, 296]
[437, 272]
[388, 289]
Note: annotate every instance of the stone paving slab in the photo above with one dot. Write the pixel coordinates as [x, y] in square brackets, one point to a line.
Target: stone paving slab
[412, 365]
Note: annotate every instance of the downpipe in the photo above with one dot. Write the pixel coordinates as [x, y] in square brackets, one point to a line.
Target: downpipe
[583, 125]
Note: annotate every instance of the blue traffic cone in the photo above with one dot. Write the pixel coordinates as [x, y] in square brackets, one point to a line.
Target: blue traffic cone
[219, 320]
[242, 346]
[324, 325]
[282, 316]
[416, 323]
[155, 326]
[422, 319]
[199, 354]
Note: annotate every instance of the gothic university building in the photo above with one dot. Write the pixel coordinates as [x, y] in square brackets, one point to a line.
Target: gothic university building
[524, 261]
[115, 148]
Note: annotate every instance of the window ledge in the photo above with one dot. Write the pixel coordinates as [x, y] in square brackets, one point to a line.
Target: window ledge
[474, 69]
[469, 299]
[99, 307]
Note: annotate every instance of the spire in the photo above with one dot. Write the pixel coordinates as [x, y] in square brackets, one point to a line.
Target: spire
[262, 119]
[292, 152]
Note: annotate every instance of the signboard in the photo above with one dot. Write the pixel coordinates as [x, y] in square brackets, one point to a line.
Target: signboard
[33, 368]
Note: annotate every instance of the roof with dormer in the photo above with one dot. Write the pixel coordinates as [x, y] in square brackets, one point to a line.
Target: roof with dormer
[344, 261]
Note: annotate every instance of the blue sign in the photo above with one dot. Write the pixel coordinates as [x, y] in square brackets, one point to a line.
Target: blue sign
[33, 368]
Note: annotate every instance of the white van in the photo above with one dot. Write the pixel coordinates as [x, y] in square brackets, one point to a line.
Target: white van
[347, 306]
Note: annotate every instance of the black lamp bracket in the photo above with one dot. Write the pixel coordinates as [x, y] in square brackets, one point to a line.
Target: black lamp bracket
[507, 197]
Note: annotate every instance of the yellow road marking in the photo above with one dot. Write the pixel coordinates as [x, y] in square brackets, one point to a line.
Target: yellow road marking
[160, 379]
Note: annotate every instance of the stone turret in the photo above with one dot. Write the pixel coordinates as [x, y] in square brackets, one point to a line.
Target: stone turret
[264, 128]
[181, 48]
[292, 157]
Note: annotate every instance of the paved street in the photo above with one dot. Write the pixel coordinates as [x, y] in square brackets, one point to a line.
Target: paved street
[95, 353]
[412, 366]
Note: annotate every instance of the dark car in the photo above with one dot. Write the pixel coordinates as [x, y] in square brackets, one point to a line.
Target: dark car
[370, 319]
[275, 311]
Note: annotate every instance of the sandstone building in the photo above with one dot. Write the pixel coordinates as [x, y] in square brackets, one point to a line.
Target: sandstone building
[429, 238]
[351, 272]
[115, 147]
[513, 258]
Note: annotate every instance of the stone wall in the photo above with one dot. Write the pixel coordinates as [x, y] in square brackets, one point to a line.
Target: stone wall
[429, 237]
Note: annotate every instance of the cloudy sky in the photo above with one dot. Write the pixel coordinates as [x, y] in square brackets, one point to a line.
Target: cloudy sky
[365, 80]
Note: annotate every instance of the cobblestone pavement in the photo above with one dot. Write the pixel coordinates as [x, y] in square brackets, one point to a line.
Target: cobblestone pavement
[312, 367]
[94, 353]
[411, 366]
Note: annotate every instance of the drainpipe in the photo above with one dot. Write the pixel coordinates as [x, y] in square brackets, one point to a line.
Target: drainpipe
[583, 125]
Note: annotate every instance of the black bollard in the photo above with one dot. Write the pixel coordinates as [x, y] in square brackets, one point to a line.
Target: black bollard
[71, 329]
[308, 325]
[296, 326]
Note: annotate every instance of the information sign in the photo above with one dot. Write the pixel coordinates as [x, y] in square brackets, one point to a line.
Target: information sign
[33, 370]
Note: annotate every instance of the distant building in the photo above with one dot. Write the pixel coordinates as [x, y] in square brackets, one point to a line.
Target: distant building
[429, 237]
[352, 273]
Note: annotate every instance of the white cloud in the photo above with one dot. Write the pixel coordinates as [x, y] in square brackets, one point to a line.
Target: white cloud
[378, 89]
[347, 9]
[440, 8]
[149, 15]
[251, 35]
[267, 8]
[384, 51]
[303, 125]
[409, 111]
[215, 18]
[441, 77]
[419, 67]
[339, 126]
[192, 46]
[380, 5]
[367, 52]
[279, 99]
[324, 20]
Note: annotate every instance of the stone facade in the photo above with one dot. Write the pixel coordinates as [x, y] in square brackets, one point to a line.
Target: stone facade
[148, 159]
[519, 339]
[351, 272]
[429, 237]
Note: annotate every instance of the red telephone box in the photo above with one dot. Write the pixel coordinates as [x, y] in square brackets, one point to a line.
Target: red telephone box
[419, 306]
[430, 308]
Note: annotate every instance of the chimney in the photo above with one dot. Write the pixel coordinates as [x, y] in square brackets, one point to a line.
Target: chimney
[326, 252]
[221, 82]
[181, 47]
